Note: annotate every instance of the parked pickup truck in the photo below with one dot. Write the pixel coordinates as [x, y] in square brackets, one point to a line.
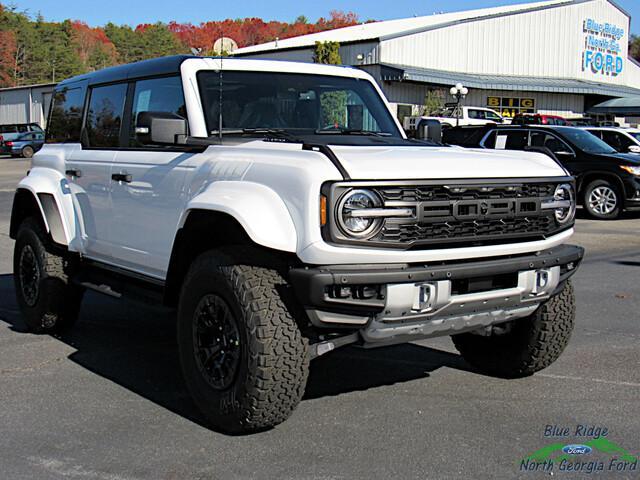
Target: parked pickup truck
[448, 117]
[280, 210]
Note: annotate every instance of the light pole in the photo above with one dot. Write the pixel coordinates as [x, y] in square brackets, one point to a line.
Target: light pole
[458, 92]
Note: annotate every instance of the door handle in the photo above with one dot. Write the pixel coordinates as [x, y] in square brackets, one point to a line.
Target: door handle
[73, 173]
[122, 177]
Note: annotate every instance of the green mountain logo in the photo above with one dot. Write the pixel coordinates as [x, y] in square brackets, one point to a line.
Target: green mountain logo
[554, 451]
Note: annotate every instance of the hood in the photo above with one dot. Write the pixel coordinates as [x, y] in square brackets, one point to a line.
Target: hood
[625, 158]
[409, 162]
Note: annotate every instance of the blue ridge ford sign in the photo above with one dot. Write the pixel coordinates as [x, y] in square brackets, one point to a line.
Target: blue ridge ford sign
[602, 54]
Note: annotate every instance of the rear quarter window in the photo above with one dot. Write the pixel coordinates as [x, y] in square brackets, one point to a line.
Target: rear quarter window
[65, 120]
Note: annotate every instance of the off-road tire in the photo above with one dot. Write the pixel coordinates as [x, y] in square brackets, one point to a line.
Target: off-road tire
[55, 306]
[616, 212]
[27, 152]
[271, 376]
[532, 344]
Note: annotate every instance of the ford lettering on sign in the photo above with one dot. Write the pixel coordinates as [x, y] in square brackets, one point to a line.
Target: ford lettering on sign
[577, 449]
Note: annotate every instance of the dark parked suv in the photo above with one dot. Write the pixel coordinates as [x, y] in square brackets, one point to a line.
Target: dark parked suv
[608, 182]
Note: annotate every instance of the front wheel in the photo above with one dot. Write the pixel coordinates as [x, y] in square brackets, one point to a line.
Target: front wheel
[527, 345]
[48, 301]
[603, 200]
[243, 357]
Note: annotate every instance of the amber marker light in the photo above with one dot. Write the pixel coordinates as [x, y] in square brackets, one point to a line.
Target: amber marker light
[323, 210]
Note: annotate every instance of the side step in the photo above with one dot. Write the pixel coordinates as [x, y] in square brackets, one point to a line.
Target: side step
[118, 283]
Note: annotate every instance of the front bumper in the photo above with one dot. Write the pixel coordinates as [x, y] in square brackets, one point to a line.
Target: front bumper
[431, 300]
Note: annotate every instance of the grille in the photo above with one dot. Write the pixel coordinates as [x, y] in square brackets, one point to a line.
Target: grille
[476, 230]
[462, 192]
[466, 214]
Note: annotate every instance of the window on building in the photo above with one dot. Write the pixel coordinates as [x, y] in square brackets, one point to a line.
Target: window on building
[156, 95]
[403, 112]
[104, 117]
[66, 116]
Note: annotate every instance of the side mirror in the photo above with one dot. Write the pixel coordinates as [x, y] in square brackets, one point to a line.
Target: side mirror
[634, 148]
[161, 128]
[429, 129]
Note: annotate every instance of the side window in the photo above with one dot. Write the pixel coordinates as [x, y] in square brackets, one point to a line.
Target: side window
[476, 114]
[512, 140]
[23, 129]
[104, 117]
[156, 95]
[597, 133]
[614, 139]
[547, 140]
[492, 116]
[66, 116]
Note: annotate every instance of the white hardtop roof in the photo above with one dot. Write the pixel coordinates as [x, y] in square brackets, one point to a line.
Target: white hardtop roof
[275, 66]
[392, 28]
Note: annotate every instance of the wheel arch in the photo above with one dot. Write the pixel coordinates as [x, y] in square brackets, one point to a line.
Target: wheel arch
[197, 235]
[42, 207]
[48, 198]
[586, 179]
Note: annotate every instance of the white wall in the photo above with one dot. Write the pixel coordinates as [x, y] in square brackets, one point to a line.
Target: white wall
[25, 105]
[544, 43]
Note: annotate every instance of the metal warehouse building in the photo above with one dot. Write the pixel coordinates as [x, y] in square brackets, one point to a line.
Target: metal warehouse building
[556, 57]
[25, 104]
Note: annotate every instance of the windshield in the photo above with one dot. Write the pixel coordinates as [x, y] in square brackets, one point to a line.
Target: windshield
[299, 103]
[585, 141]
[635, 135]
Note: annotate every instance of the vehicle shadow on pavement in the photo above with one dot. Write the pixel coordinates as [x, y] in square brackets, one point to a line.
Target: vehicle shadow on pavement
[135, 347]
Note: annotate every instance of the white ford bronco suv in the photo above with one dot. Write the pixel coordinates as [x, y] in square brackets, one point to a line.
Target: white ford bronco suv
[281, 211]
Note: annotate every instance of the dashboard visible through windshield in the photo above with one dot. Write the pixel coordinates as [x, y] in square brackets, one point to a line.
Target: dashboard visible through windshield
[294, 103]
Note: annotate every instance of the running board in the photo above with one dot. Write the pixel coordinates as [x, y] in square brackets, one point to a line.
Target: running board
[118, 283]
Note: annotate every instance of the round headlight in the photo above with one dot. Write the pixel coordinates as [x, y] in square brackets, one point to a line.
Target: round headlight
[350, 205]
[564, 193]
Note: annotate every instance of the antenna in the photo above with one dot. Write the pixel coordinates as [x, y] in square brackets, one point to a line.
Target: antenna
[220, 95]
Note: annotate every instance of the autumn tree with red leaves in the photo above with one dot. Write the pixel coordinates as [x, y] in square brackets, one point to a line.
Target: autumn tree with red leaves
[33, 50]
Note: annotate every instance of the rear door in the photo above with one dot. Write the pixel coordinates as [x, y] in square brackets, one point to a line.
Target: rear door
[149, 198]
[89, 167]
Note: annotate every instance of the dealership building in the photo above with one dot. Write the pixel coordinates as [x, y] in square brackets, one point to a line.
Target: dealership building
[557, 57]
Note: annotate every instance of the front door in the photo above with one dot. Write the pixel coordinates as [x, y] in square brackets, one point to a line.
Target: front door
[147, 196]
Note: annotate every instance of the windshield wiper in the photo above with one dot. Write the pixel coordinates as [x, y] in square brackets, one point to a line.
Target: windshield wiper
[351, 131]
[269, 133]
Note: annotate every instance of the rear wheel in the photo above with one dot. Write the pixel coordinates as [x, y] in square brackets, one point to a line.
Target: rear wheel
[603, 200]
[27, 152]
[526, 345]
[243, 357]
[48, 301]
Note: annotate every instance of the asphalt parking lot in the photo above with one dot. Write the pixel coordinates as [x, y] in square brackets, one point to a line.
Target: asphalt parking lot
[106, 401]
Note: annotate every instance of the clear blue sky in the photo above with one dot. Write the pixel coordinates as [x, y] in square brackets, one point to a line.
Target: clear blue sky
[140, 11]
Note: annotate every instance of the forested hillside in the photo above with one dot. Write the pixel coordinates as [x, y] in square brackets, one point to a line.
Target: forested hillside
[34, 50]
